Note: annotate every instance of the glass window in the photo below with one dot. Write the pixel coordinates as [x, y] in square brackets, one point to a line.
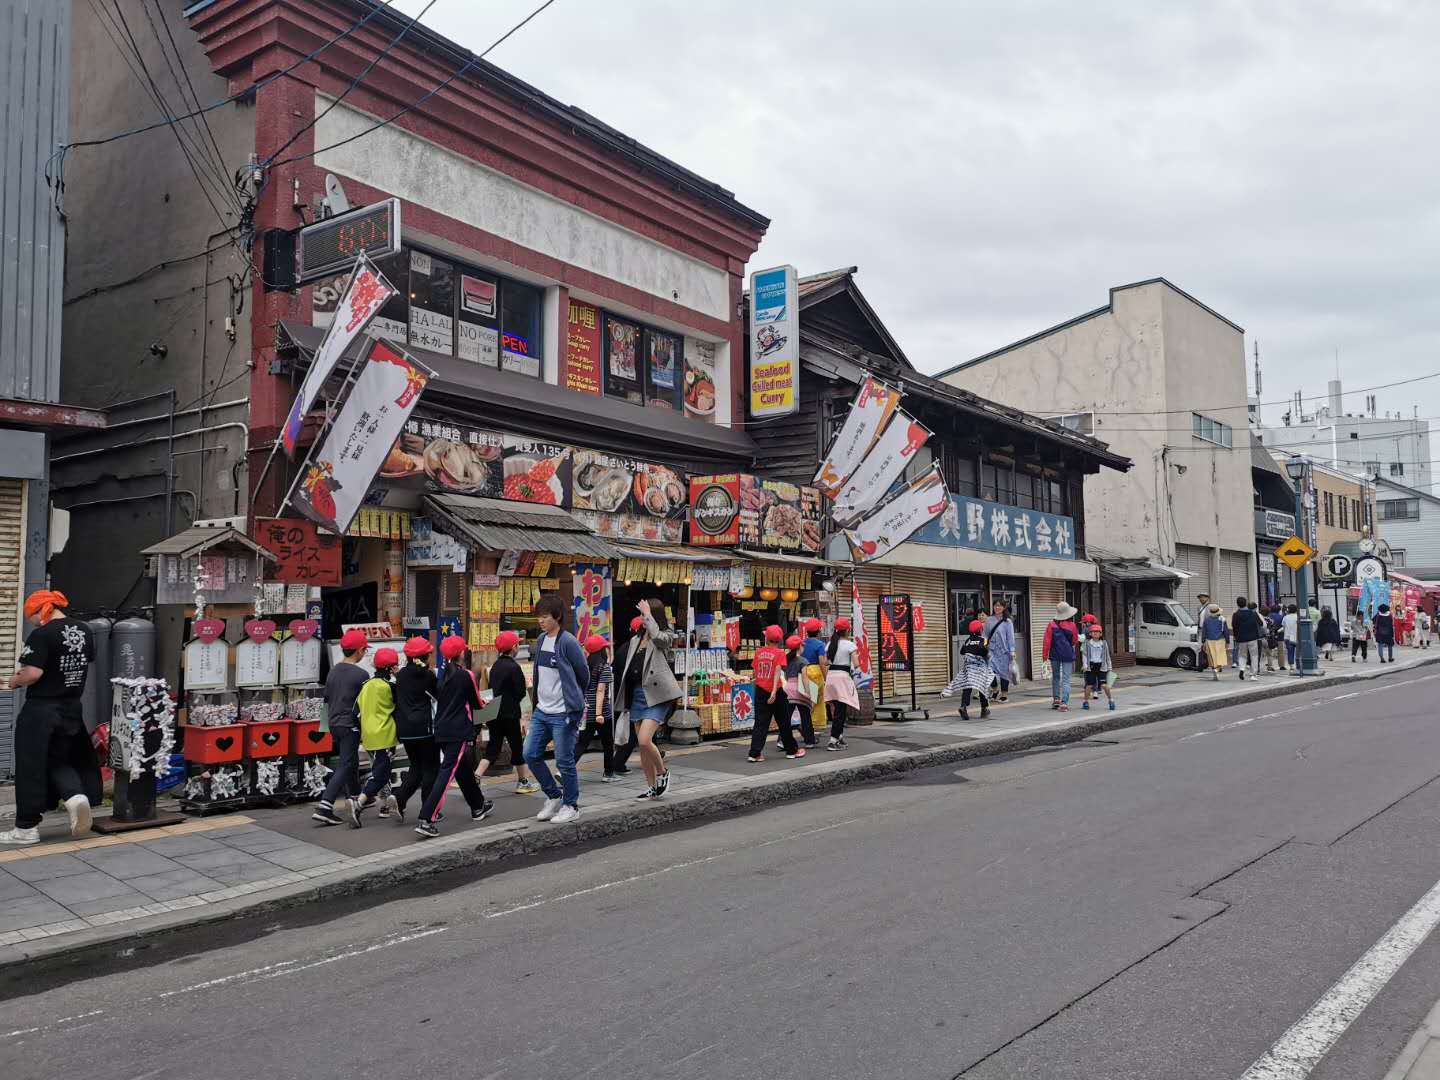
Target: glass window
[1157, 615]
[520, 336]
[919, 465]
[1005, 483]
[432, 303]
[1025, 491]
[1057, 498]
[1399, 509]
[663, 356]
[959, 468]
[988, 482]
[1397, 468]
[392, 321]
[622, 360]
[1211, 430]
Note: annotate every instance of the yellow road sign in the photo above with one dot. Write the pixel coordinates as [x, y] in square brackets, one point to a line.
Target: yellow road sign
[1294, 553]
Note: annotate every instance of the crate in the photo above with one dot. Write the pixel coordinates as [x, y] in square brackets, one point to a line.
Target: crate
[269, 739]
[214, 745]
[307, 738]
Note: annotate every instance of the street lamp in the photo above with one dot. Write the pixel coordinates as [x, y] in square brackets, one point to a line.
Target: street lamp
[1306, 662]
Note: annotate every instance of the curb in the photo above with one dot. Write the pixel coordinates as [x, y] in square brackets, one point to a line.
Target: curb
[518, 839]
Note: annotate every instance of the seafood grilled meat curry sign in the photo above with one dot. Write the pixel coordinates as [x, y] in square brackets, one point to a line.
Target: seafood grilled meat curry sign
[736, 508]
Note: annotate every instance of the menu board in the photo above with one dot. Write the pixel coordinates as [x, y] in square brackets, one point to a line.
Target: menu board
[300, 661]
[206, 664]
[442, 456]
[536, 472]
[700, 386]
[257, 663]
[625, 497]
[582, 348]
[737, 508]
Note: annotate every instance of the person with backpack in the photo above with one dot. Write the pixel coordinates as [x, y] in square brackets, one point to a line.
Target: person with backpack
[414, 723]
[1000, 637]
[1275, 639]
[1248, 629]
[599, 706]
[1385, 634]
[1096, 661]
[1058, 648]
[1215, 634]
[507, 682]
[771, 702]
[798, 689]
[457, 698]
[975, 672]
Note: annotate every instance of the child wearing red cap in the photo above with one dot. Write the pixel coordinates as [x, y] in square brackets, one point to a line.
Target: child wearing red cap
[376, 705]
[1095, 656]
[457, 697]
[415, 697]
[770, 700]
[342, 688]
[599, 705]
[799, 690]
[817, 666]
[975, 674]
[840, 693]
[507, 682]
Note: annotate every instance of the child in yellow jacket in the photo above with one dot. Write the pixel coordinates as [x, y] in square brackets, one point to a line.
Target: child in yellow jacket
[376, 706]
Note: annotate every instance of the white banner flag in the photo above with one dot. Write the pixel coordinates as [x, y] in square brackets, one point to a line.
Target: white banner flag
[366, 294]
[860, 666]
[331, 487]
[919, 502]
[882, 467]
[873, 406]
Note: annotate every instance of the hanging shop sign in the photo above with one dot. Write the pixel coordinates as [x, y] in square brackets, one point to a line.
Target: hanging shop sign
[366, 294]
[897, 633]
[883, 465]
[774, 342]
[380, 524]
[736, 508]
[921, 501]
[438, 455]
[225, 576]
[593, 601]
[1012, 530]
[710, 578]
[628, 498]
[874, 404]
[700, 386]
[303, 555]
[536, 472]
[331, 487]
[430, 548]
[582, 348]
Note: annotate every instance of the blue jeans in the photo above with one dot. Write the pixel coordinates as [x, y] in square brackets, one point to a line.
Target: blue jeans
[1386, 649]
[1290, 648]
[562, 729]
[1060, 680]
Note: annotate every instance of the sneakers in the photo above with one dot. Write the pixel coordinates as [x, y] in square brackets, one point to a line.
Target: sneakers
[566, 814]
[392, 806]
[609, 778]
[549, 810]
[78, 807]
[350, 810]
[526, 787]
[18, 837]
[484, 812]
[799, 753]
[984, 712]
[1065, 707]
[662, 784]
[1242, 674]
[1085, 705]
[755, 758]
[1112, 706]
[327, 816]
[964, 714]
[425, 830]
[649, 793]
[834, 744]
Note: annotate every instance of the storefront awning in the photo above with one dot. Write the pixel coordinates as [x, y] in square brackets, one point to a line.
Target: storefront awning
[497, 525]
[784, 559]
[674, 552]
[200, 538]
[1116, 567]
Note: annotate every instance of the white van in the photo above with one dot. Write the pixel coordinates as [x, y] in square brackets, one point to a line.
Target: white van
[1164, 630]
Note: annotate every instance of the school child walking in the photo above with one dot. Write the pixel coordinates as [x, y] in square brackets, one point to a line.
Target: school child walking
[599, 705]
[1095, 655]
[457, 699]
[798, 689]
[771, 702]
[975, 672]
[840, 693]
[376, 705]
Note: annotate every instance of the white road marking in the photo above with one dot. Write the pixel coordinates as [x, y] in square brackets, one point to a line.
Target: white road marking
[1311, 1037]
[46, 1027]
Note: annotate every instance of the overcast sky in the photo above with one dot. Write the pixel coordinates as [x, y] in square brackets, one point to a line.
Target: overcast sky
[994, 167]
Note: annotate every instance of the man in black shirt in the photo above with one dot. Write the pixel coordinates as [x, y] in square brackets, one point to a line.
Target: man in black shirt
[54, 758]
[342, 687]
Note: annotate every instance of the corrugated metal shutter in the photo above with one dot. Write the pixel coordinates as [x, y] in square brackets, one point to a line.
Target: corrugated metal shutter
[1196, 562]
[932, 645]
[873, 582]
[1045, 593]
[12, 578]
[1234, 577]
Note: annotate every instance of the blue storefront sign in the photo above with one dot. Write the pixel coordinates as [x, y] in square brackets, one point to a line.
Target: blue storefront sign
[1011, 530]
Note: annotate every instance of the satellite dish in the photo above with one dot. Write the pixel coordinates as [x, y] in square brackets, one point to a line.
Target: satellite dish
[335, 200]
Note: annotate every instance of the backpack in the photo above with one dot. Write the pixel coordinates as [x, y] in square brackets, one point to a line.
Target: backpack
[1062, 644]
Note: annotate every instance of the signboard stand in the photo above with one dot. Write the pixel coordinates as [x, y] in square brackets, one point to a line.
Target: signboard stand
[897, 653]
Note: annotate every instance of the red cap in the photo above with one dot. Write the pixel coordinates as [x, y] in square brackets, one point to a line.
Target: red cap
[506, 640]
[453, 647]
[636, 623]
[1096, 626]
[976, 626]
[386, 658]
[793, 641]
[813, 626]
[353, 640]
[774, 633]
[417, 647]
[1088, 618]
[842, 624]
[594, 643]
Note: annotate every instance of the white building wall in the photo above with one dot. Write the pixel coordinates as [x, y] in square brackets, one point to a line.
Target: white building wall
[1367, 445]
[1419, 540]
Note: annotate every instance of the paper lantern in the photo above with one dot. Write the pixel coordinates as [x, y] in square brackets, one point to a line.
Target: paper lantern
[790, 595]
[769, 594]
[746, 593]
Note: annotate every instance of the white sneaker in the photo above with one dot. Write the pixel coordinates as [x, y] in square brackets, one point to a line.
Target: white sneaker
[549, 810]
[567, 813]
[19, 837]
[78, 807]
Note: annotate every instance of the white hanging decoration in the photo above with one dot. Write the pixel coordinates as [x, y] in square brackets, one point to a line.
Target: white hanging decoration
[267, 777]
[148, 708]
[225, 782]
[315, 777]
[195, 790]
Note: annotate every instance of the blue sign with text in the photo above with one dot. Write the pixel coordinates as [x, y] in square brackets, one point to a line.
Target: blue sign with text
[1010, 530]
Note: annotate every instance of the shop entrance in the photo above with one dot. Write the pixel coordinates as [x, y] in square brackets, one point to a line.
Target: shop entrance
[966, 600]
[1017, 601]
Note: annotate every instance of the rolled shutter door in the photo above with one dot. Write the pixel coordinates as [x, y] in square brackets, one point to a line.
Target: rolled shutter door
[1045, 593]
[1235, 570]
[1196, 562]
[932, 645]
[12, 578]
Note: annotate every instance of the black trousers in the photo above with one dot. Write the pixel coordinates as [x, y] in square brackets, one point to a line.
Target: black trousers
[424, 757]
[807, 725]
[381, 762]
[1362, 647]
[965, 699]
[764, 714]
[838, 709]
[606, 731]
[345, 780]
[502, 731]
[54, 759]
[456, 762]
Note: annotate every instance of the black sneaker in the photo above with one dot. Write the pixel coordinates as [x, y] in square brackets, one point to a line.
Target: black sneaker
[426, 831]
[326, 816]
[843, 744]
[662, 784]
[648, 793]
[484, 812]
[833, 744]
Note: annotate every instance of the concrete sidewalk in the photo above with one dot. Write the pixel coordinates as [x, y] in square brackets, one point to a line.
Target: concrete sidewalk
[65, 895]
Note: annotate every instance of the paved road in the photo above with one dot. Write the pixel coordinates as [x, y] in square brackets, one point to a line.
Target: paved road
[1165, 902]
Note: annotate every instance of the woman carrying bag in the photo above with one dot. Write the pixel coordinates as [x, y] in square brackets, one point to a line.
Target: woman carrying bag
[1000, 636]
[649, 692]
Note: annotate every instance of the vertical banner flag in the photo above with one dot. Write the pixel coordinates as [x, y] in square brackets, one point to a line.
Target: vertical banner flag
[882, 467]
[774, 342]
[592, 601]
[366, 294]
[897, 633]
[919, 502]
[867, 418]
[331, 486]
[860, 666]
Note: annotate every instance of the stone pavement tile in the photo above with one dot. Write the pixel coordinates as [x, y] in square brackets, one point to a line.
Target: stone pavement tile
[78, 888]
[28, 911]
[107, 904]
[206, 861]
[170, 846]
[12, 888]
[229, 832]
[1427, 1065]
[300, 856]
[232, 875]
[173, 884]
[260, 843]
[130, 861]
[45, 867]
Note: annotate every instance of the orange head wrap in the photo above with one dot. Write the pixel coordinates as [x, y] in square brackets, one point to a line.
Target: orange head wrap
[44, 601]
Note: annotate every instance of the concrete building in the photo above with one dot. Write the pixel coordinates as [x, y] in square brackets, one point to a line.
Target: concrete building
[1363, 442]
[1344, 507]
[1160, 378]
[1408, 519]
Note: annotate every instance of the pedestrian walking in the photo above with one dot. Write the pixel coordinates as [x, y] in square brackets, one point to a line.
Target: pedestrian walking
[1058, 647]
[1275, 639]
[1385, 634]
[1327, 633]
[457, 696]
[1291, 632]
[1215, 634]
[800, 689]
[54, 757]
[650, 692]
[975, 675]
[771, 702]
[1095, 656]
[558, 691]
[342, 687]
[817, 665]
[1248, 630]
[415, 697]
[376, 706]
[1359, 637]
[1202, 606]
[1422, 627]
[840, 693]
[1000, 636]
[507, 682]
[599, 706]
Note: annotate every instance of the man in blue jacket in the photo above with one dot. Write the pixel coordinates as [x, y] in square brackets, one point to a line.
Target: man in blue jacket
[560, 678]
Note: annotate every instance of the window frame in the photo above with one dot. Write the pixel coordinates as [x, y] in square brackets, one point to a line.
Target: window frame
[1208, 429]
[1411, 511]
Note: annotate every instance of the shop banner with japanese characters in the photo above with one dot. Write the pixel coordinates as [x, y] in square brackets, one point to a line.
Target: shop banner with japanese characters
[894, 451]
[919, 502]
[1011, 530]
[860, 669]
[582, 348]
[592, 601]
[737, 508]
[303, 555]
[332, 485]
[873, 407]
[774, 342]
[367, 293]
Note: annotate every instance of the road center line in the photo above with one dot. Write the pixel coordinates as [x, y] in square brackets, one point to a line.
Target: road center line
[1311, 1037]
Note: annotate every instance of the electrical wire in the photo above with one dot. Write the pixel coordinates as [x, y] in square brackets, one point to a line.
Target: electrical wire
[164, 265]
[201, 121]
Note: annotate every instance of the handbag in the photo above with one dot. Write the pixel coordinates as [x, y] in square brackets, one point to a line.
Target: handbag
[622, 728]
[1111, 678]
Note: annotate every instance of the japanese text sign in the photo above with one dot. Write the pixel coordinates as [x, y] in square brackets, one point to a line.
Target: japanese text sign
[1011, 530]
[897, 637]
[303, 555]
